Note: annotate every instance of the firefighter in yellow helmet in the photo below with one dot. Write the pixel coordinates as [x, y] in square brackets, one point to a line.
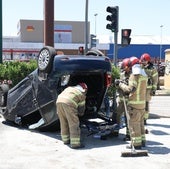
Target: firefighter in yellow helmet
[136, 89]
[70, 105]
[152, 74]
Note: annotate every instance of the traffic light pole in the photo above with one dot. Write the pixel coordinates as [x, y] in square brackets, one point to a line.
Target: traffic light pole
[115, 49]
[114, 106]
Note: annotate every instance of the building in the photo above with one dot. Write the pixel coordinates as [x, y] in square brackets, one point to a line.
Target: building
[70, 35]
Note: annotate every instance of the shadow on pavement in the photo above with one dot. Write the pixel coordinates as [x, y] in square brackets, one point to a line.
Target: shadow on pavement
[159, 132]
[159, 125]
[158, 150]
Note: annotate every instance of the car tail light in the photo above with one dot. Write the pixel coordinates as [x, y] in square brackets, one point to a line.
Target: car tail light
[108, 79]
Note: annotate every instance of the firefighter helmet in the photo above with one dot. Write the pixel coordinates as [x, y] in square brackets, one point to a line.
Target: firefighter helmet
[145, 57]
[125, 63]
[133, 60]
[84, 86]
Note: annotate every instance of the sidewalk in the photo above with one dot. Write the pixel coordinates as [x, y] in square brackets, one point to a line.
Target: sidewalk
[25, 149]
[163, 92]
[160, 104]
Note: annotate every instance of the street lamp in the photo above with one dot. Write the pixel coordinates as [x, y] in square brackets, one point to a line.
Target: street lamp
[95, 21]
[86, 25]
[161, 45]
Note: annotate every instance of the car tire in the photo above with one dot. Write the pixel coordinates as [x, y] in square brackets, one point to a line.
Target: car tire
[45, 59]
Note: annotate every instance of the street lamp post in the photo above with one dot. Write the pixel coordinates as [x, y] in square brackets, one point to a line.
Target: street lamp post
[95, 22]
[86, 26]
[161, 44]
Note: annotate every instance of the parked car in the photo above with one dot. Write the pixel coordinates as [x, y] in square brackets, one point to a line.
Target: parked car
[34, 98]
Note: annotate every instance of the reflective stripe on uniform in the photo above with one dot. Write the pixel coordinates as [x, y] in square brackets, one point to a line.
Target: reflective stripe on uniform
[72, 98]
[75, 141]
[146, 116]
[82, 103]
[138, 91]
[65, 138]
[137, 141]
[143, 137]
[155, 74]
[137, 102]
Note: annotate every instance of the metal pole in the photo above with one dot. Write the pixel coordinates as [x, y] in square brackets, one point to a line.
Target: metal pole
[115, 64]
[1, 36]
[86, 27]
[115, 49]
[95, 23]
[161, 45]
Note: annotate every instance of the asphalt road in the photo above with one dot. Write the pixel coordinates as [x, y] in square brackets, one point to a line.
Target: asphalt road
[24, 149]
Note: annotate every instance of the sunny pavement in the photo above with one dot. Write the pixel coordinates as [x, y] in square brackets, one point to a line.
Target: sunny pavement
[24, 149]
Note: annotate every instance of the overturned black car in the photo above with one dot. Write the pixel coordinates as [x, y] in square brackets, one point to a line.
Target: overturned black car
[34, 98]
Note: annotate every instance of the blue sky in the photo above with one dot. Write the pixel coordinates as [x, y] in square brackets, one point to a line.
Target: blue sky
[144, 17]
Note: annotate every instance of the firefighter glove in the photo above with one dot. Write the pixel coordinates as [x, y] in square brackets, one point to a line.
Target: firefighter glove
[117, 82]
[153, 92]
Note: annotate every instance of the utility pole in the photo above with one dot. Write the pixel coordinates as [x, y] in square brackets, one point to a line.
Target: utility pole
[49, 23]
[160, 56]
[95, 15]
[86, 26]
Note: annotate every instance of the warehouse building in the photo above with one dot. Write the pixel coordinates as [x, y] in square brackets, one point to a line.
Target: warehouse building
[69, 36]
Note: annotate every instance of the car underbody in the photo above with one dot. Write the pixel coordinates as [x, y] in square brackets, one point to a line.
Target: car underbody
[32, 102]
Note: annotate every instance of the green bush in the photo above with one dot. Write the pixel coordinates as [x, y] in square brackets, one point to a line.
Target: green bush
[15, 71]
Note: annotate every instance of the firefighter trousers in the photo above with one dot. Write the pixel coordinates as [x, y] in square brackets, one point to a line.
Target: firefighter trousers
[136, 125]
[69, 123]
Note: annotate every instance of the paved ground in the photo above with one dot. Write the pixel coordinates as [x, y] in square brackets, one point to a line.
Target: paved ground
[24, 149]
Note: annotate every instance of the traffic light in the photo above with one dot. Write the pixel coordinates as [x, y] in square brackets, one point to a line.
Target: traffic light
[113, 18]
[93, 40]
[125, 39]
[81, 50]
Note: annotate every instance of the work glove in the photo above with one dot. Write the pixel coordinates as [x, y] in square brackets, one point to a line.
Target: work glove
[117, 82]
[153, 92]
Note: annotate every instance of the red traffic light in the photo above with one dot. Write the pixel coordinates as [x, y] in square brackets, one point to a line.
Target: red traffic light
[81, 50]
[126, 32]
[125, 39]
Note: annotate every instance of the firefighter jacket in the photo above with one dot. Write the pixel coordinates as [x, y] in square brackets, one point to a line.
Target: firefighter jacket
[152, 74]
[73, 97]
[124, 77]
[136, 90]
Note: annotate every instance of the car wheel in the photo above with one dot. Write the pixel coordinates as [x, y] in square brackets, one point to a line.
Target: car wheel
[45, 59]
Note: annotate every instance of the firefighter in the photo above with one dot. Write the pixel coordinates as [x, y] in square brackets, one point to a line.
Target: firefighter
[124, 76]
[136, 89]
[152, 74]
[70, 105]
